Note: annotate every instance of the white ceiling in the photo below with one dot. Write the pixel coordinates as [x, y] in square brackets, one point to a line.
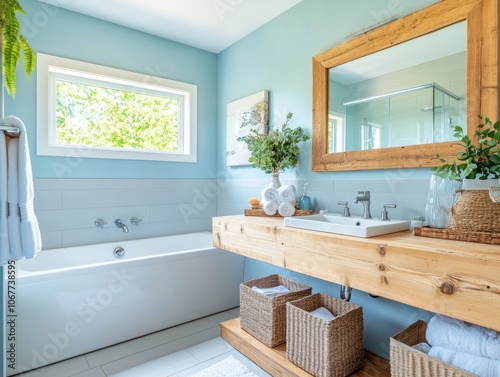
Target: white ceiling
[210, 25]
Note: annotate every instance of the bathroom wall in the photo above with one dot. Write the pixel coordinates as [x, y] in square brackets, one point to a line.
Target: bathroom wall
[67, 209]
[72, 192]
[59, 32]
[278, 57]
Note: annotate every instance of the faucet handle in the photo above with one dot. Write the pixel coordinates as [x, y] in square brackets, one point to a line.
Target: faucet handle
[135, 221]
[384, 215]
[346, 213]
[100, 223]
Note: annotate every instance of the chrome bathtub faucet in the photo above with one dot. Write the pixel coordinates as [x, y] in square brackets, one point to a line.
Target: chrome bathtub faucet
[119, 224]
[365, 199]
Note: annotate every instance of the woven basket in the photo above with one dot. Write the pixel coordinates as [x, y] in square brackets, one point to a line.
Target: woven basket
[406, 361]
[265, 317]
[325, 348]
[475, 211]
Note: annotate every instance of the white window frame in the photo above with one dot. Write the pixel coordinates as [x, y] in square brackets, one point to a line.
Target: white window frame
[50, 68]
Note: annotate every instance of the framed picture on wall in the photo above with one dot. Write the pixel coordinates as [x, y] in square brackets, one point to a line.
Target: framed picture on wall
[247, 113]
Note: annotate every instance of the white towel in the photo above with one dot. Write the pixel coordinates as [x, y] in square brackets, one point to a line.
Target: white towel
[461, 336]
[269, 207]
[18, 149]
[286, 209]
[4, 229]
[272, 291]
[16, 248]
[286, 193]
[323, 313]
[482, 366]
[269, 194]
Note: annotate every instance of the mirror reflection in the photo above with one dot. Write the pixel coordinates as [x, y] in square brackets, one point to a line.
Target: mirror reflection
[405, 95]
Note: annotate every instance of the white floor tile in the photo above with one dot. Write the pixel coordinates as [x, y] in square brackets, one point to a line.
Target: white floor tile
[64, 368]
[96, 372]
[161, 367]
[159, 351]
[210, 349]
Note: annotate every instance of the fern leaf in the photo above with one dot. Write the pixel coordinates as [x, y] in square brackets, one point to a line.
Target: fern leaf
[29, 56]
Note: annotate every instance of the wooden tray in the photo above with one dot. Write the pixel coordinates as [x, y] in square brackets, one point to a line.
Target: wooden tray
[260, 212]
[457, 235]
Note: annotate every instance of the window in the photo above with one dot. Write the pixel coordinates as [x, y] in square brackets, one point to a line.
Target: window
[335, 133]
[86, 110]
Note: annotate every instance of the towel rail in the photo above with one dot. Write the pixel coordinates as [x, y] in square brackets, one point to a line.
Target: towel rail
[11, 131]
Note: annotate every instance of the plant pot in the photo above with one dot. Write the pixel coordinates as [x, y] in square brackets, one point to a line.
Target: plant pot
[476, 210]
[275, 181]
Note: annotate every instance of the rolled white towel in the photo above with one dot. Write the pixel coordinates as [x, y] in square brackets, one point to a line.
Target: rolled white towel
[269, 194]
[482, 366]
[272, 291]
[269, 207]
[286, 209]
[286, 193]
[323, 313]
[458, 335]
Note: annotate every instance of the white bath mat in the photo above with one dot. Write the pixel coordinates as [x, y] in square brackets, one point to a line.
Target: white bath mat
[229, 367]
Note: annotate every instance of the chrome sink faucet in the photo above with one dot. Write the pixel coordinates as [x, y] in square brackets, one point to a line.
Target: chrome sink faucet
[365, 199]
[121, 225]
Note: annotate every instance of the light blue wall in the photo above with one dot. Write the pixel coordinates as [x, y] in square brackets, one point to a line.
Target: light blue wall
[278, 57]
[63, 33]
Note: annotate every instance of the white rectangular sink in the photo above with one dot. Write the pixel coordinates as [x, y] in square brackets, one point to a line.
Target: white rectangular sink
[349, 226]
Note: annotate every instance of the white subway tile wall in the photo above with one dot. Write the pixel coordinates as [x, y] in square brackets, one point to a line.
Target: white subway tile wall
[66, 209]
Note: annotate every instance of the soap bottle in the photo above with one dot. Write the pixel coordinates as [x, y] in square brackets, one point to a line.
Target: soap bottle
[305, 201]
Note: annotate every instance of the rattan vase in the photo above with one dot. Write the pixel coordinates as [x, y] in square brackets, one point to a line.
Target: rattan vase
[475, 211]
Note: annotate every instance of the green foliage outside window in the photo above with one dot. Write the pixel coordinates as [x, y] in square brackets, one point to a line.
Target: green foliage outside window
[103, 117]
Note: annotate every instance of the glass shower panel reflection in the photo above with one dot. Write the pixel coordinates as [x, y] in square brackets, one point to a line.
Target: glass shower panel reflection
[414, 116]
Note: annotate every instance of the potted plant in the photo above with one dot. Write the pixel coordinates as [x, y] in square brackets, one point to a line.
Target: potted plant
[481, 161]
[12, 44]
[276, 151]
[478, 167]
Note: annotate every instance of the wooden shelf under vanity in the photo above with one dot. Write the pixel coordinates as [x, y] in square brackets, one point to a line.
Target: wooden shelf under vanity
[275, 362]
[454, 278]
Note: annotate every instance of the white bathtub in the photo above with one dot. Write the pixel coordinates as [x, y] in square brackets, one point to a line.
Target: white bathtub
[75, 300]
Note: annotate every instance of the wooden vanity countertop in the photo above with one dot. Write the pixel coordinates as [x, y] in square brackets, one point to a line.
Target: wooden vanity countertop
[455, 278]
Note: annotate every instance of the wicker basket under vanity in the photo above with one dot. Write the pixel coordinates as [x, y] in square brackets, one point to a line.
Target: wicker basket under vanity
[325, 348]
[406, 361]
[265, 317]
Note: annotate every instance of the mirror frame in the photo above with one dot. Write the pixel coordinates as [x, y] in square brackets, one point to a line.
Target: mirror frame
[482, 75]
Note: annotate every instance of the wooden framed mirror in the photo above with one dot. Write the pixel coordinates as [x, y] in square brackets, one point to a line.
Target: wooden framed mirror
[479, 19]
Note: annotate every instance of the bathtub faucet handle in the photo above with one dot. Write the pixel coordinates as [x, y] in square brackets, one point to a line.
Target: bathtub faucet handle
[135, 221]
[100, 223]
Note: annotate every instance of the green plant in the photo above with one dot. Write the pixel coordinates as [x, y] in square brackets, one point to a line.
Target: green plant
[12, 44]
[276, 151]
[480, 161]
